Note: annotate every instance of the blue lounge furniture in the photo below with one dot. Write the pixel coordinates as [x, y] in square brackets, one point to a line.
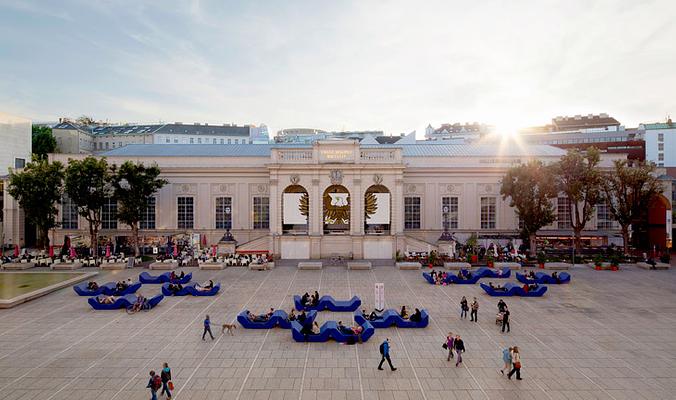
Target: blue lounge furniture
[391, 317]
[329, 303]
[330, 331]
[428, 278]
[146, 278]
[82, 289]
[512, 289]
[544, 278]
[109, 289]
[191, 290]
[123, 302]
[485, 272]
[279, 318]
[451, 278]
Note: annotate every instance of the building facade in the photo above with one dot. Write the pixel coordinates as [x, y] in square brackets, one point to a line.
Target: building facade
[660, 143]
[331, 198]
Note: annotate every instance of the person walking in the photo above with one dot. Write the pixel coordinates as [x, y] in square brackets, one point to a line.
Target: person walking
[459, 349]
[505, 319]
[154, 384]
[475, 310]
[463, 307]
[516, 364]
[501, 306]
[507, 359]
[449, 345]
[207, 328]
[385, 352]
[166, 380]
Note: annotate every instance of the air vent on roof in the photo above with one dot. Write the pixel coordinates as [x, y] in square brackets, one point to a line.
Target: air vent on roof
[178, 123]
[197, 124]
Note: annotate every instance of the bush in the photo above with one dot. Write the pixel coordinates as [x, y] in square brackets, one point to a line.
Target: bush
[665, 258]
[542, 258]
[598, 260]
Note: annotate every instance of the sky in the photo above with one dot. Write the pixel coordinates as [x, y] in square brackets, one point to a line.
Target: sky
[395, 66]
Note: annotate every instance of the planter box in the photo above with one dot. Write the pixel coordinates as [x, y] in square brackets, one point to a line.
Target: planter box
[310, 265]
[163, 266]
[603, 267]
[457, 265]
[510, 265]
[211, 266]
[20, 266]
[408, 265]
[658, 265]
[558, 265]
[364, 265]
[106, 266]
[66, 266]
[259, 267]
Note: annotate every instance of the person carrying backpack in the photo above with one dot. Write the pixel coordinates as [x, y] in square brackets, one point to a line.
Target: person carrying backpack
[385, 352]
[154, 384]
[166, 381]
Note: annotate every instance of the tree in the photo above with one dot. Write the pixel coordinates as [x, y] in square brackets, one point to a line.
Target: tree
[38, 189]
[530, 188]
[88, 186]
[133, 185]
[579, 178]
[628, 190]
[43, 141]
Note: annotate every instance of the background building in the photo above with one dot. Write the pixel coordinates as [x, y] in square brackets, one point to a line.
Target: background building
[467, 132]
[660, 143]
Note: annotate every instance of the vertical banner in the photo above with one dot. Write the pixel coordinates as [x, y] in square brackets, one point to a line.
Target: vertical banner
[668, 223]
[380, 296]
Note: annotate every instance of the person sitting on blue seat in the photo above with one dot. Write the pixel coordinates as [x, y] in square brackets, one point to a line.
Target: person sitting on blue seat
[304, 299]
[205, 287]
[403, 313]
[416, 317]
[498, 288]
[106, 299]
[175, 287]
[92, 285]
[302, 317]
[292, 315]
[139, 303]
[344, 329]
[555, 276]
[315, 299]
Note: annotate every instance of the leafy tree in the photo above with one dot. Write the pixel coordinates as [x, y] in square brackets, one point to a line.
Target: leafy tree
[628, 190]
[43, 141]
[38, 189]
[88, 186]
[580, 179]
[530, 188]
[133, 185]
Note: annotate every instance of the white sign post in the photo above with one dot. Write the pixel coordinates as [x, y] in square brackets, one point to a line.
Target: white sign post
[380, 297]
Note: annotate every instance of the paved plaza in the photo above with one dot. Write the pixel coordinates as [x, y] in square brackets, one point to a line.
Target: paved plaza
[607, 335]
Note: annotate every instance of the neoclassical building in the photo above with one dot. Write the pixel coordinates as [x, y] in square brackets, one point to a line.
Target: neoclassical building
[331, 198]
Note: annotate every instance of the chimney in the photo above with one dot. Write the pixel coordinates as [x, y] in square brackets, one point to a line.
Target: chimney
[178, 123]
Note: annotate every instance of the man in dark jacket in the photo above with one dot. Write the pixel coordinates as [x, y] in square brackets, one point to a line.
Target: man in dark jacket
[385, 352]
[459, 349]
[505, 319]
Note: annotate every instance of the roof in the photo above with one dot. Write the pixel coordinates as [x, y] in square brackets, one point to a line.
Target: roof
[264, 150]
[175, 128]
[661, 125]
[586, 121]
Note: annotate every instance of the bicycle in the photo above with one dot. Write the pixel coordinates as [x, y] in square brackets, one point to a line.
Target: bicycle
[144, 307]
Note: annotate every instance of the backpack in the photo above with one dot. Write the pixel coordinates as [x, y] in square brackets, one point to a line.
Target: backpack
[382, 348]
[157, 382]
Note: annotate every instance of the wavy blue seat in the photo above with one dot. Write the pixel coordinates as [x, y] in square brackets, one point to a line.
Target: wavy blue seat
[109, 289]
[190, 290]
[329, 303]
[391, 317]
[451, 278]
[279, 318]
[82, 290]
[146, 278]
[428, 278]
[544, 278]
[512, 289]
[330, 331]
[122, 302]
[485, 272]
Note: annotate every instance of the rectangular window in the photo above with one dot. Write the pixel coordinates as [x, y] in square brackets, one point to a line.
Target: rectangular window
[229, 141]
[199, 140]
[223, 212]
[186, 212]
[488, 212]
[167, 140]
[660, 146]
[660, 156]
[192, 140]
[261, 213]
[148, 214]
[175, 140]
[109, 214]
[563, 212]
[660, 137]
[449, 212]
[222, 141]
[411, 212]
[603, 218]
[68, 213]
[19, 162]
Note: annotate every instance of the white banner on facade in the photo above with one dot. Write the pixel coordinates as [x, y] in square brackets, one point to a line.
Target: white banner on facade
[382, 214]
[292, 213]
[380, 296]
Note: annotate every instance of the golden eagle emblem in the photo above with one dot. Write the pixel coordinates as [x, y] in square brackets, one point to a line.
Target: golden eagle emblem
[336, 208]
[370, 205]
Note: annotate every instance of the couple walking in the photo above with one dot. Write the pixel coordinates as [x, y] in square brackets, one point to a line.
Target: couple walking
[512, 360]
[454, 343]
[162, 381]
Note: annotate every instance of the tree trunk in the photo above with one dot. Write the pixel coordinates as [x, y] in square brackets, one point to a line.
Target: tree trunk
[625, 238]
[94, 242]
[43, 237]
[533, 245]
[134, 229]
[577, 240]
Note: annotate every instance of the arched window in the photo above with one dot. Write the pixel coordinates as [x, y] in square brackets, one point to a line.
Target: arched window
[336, 204]
[295, 210]
[377, 210]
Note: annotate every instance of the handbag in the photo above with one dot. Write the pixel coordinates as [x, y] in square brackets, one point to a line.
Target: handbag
[171, 385]
[517, 365]
[445, 346]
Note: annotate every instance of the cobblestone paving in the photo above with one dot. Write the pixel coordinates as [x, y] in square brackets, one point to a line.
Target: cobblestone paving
[607, 335]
